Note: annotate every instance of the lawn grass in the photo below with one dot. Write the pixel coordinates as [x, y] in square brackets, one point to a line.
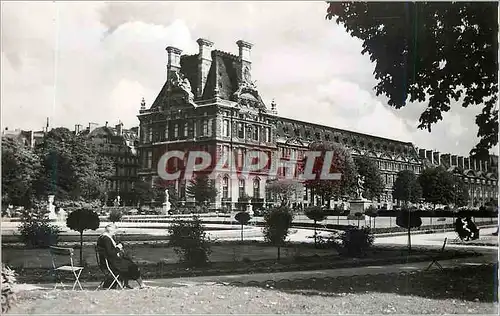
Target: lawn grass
[468, 290]
[160, 261]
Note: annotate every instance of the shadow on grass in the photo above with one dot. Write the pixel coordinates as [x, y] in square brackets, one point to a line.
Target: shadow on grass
[476, 284]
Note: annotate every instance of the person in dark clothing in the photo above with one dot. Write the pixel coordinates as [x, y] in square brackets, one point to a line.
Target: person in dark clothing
[119, 262]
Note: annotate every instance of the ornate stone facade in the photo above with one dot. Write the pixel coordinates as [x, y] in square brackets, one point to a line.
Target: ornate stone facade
[220, 110]
[119, 145]
[481, 176]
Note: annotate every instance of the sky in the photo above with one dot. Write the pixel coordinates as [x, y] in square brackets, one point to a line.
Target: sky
[81, 62]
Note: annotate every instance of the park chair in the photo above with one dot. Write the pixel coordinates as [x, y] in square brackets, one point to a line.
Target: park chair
[437, 257]
[106, 269]
[57, 253]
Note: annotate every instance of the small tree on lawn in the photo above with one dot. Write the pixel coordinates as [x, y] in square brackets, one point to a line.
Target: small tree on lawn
[316, 214]
[115, 215]
[201, 189]
[284, 189]
[243, 218]
[406, 188]
[190, 241]
[81, 220]
[277, 224]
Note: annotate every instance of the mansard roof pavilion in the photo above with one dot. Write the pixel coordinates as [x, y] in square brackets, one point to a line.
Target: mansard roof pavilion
[210, 75]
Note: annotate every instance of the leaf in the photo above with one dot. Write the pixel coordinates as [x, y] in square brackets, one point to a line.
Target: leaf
[462, 67]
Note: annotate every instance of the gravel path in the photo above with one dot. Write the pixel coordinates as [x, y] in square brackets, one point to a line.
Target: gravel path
[218, 299]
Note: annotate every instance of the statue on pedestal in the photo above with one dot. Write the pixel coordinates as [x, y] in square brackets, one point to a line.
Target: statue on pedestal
[116, 202]
[360, 187]
[52, 208]
[166, 204]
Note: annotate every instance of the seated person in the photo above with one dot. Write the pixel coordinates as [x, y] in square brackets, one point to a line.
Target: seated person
[118, 261]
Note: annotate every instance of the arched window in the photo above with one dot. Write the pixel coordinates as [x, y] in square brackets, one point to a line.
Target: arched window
[256, 188]
[225, 187]
[242, 188]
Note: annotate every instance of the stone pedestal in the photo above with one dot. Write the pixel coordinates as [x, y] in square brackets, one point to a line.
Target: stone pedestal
[358, 206]
[166, 208]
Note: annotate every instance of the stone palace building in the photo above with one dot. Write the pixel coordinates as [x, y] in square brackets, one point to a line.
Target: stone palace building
[209, 102]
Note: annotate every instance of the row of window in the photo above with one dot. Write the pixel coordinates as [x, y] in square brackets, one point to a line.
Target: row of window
[129, 172]
[247, 131]
[241, 187]
[177, 130]
[116, 185]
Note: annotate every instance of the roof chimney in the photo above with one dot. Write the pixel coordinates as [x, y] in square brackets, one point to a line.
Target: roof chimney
[78, 129]
[245, 48]
[204, 63]
[435, 157]
[273, 107]
[119, 129]
[143, 104]
[174, 58]
[92, 126]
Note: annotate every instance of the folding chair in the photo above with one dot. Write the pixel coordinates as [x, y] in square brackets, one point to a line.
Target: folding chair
[435, 259]
[106, 269]
[57, 252]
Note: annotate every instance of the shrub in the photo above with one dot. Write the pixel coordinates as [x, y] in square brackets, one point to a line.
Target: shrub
[355, 241]
[329, 242]
[115, 215]
[190, 241]
[37, 231]
[8, 282]
[277, 224]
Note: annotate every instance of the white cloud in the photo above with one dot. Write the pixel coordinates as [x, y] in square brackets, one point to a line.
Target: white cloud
[109, 55]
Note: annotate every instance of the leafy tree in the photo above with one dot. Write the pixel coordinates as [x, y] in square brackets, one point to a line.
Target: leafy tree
[142, 192]
[342, 162]
[438, 186]
[373, 185]
[190, 241]
[19, 169]
[201, 189]
[284, 189]
[316, 214]
[277, 223]
[461, 193]
[406, 188]
[397, 36]
[243, 218]
[70, 169]
[80, 220]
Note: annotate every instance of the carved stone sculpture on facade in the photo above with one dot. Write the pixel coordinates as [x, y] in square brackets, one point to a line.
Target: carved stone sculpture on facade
[181, 82]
